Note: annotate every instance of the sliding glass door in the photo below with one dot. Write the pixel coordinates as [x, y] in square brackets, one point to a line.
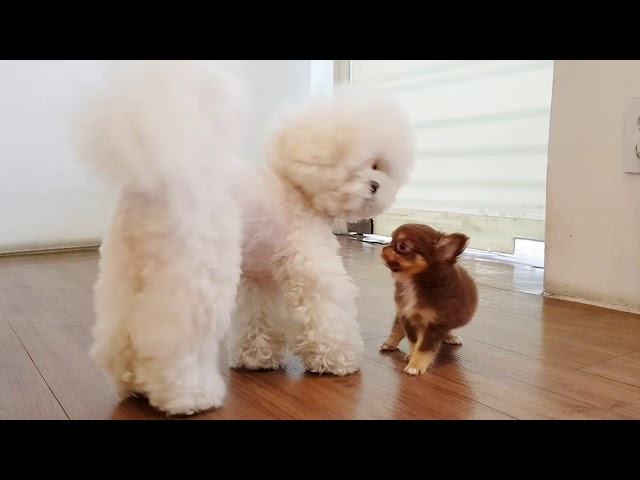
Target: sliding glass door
[482, 131]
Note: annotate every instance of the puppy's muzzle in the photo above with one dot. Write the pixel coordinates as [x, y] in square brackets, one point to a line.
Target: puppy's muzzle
[374, 186]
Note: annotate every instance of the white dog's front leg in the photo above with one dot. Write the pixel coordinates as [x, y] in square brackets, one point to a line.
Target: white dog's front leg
[323, 328]
[256, 339]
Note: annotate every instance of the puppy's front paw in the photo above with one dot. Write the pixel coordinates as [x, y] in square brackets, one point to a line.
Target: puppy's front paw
[412, 370]
[419, 362]
[387, 347]
[453, 339]
[415, 369]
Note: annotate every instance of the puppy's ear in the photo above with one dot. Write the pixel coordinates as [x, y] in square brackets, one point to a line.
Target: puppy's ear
[451, 246]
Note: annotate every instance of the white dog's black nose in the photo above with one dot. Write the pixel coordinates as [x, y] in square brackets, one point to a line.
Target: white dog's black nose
[374, 186]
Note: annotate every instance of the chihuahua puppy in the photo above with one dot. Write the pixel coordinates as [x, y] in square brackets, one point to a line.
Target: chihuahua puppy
[433, 294]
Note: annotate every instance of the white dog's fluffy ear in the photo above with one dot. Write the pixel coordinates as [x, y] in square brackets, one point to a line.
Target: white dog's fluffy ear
[312, 132]
[307, 135]
[306, 143]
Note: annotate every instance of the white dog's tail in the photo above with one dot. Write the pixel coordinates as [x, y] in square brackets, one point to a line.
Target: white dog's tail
[164, 124]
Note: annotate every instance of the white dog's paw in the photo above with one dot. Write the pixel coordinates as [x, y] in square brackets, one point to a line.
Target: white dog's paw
[186, 401]
[252, 363]
[262, 358]
[258, 351]
[124, 386]
[453, 339]
[335, 364]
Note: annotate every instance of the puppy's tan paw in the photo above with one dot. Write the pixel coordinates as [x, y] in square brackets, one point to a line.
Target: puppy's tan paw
[419, 362]
[412, 369]
[453, 339]
[387, 347]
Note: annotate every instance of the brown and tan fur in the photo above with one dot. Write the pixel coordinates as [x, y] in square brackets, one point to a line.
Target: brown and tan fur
[433, 294]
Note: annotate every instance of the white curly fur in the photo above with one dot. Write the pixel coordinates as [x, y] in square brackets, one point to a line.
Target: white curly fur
[191, 216]
[295, 293]
[167, 132]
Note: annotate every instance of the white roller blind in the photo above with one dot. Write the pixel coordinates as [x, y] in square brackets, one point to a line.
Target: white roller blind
[482, 131]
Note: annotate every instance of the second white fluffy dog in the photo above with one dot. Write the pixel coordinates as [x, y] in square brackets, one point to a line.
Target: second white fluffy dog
[343, 157]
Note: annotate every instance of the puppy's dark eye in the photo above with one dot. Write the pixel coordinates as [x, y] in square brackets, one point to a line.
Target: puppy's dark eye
[375, 166]
[402, 247]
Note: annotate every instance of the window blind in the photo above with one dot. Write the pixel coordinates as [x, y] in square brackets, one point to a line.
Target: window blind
[482, 130]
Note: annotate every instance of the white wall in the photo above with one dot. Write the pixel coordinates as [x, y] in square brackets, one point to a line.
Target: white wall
[47, 199]
[274, 83]
[593, 207]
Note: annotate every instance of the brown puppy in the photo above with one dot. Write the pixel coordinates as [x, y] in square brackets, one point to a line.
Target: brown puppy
[433, 293]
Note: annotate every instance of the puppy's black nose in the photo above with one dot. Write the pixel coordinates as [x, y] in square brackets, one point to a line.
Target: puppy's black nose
[374, 186]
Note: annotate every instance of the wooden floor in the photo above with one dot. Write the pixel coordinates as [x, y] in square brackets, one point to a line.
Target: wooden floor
[524, 356]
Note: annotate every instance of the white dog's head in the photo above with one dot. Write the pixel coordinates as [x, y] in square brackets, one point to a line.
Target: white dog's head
[349, 154]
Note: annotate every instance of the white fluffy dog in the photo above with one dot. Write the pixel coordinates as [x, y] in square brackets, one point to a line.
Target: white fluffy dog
[168, 133]
[194, 222]
[343, 157]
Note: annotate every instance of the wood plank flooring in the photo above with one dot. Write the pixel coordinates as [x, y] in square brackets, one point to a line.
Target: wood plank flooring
[524, 356]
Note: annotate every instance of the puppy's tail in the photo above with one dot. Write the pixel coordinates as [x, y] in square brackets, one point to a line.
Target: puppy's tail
[163, 124]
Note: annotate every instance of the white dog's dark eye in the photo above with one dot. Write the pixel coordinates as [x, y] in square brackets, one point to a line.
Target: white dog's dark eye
[375, 166]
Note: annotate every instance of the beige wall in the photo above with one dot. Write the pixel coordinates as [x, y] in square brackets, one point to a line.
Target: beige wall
[593, 207]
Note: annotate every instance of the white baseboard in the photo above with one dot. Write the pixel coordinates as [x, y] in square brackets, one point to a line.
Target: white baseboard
[469, 252]
[340, 227]
[610, 306]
